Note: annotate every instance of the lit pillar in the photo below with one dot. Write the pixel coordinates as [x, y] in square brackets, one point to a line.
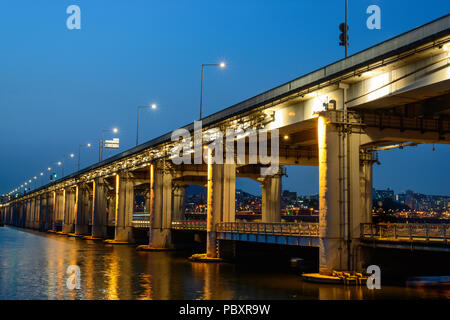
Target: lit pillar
[42, 212]
[99, 209]
[82, 210]
[162, 220]
[333, 254]
[271, 198]
[124, 202]
[210, 223]
[29, 212]
[37, 212]
[179, 192]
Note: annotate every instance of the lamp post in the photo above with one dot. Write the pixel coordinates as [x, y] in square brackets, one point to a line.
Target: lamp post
[61, 163]
[221, 65]
[100, 156]
[88, 145]
[42, 178]
[153, 106]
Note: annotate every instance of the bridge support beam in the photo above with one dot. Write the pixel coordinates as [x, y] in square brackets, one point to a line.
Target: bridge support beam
[221, 200]
[42, 212]
[82, 210]
[37, 209]
[271, 198]
[345, 195]
[99, 209]
[162, 210]
[124, 199]
[51, 210]
[69, 211]
[178, 202]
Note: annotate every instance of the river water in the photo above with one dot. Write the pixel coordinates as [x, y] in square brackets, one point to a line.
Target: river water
[33, 266]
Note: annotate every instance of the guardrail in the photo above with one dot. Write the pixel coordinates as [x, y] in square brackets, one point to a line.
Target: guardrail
[189, 225]
[306, 229]
[424, 232]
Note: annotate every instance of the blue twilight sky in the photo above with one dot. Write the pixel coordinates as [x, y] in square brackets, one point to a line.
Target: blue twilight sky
[59, 88]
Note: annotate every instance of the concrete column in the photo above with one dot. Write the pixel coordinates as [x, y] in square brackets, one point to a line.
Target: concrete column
[23, 213]
[333, 254]
[271, 198]
[37, 210]
[28, 212]
[229, 193]
[220, 200]
[366, 187]
[99, 209]
[162, 220]
[82, 210]
[179, 193]
[58, 210]
[43, 213]
[69, 210]
[124, 203]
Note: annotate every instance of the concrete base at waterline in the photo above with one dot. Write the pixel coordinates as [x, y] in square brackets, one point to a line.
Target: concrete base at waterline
[76, 235]
[112, 241]
[150, 248]
[201, 257]
[92, 238]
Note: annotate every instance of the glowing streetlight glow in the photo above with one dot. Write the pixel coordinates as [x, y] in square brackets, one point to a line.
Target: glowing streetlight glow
[115, 130]
[154, 106]
[222, 65]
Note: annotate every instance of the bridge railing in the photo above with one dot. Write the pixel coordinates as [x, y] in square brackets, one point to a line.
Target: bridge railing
[406, 231]
[140, 219]
[189, 225]
[307, 229]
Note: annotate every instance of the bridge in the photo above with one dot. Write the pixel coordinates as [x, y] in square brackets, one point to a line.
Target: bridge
[394, 94]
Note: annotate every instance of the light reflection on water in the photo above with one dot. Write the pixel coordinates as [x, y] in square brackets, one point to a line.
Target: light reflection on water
[33, 266]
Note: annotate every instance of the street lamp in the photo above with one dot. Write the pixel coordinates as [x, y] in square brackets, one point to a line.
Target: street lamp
[61, 163]
[42, 178]
[88, 145]
[221, 65]
[153, 106]
[115, 130]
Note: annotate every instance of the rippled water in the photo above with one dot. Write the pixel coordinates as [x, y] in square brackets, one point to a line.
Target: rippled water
[33, 266]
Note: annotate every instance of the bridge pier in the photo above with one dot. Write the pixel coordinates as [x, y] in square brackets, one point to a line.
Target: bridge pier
[178, 202]
[82, 210]
[37, 211]
[124, 203]
[221, 201]
[271, 198]
[69, 210]
[345, 195]
[99, 209]
[162, 207]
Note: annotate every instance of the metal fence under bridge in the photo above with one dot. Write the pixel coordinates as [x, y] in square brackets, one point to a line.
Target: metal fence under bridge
[287, 233]
[420, 233]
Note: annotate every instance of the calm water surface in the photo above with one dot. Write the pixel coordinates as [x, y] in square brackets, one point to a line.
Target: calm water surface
[33, 266]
